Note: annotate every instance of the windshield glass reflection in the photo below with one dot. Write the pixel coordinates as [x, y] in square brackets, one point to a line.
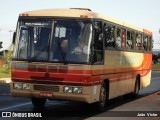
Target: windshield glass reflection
[71, 41]
[65, 41]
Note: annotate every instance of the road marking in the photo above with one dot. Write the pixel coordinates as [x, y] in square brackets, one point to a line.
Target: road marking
[15, 106]
[156, 78]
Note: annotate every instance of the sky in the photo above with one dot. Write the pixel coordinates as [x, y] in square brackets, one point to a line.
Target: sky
[141, 13]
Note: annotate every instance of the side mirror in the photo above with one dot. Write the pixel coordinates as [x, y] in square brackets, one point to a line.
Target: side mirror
[14, 38]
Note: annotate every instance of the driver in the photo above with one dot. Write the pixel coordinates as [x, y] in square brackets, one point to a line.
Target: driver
[81, 48]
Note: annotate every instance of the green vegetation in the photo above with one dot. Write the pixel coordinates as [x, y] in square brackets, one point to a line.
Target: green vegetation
[5, 71]
[156, 66]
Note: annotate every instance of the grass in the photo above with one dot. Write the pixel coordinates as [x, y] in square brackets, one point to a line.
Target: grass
[5, 72]
[156, 66]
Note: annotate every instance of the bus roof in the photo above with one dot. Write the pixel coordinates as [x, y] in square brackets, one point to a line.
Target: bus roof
[81, 13]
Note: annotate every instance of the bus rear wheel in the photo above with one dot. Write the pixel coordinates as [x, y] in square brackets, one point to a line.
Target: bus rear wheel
[136, 87]
[38, 102]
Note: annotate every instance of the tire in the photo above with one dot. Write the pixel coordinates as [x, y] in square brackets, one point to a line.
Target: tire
[101, 105]
[38, 102]
[136, 87]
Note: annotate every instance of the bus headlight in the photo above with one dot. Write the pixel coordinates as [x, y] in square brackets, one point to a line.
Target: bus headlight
[76, 90]
[21, 86]
[26, 87]
[17, 86]
[68, 90]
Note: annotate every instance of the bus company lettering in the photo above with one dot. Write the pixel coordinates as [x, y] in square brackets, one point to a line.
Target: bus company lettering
[19, 65]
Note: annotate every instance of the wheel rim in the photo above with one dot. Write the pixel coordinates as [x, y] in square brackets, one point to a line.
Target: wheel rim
[103, 96]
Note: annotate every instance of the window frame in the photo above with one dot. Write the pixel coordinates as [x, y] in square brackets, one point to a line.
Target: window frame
[121, 30]
[109, 24]
[151, 43]
[102, 50]
[132, 39]
[143, 49]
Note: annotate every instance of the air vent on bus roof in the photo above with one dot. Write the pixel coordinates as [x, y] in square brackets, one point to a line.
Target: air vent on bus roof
[82, 9]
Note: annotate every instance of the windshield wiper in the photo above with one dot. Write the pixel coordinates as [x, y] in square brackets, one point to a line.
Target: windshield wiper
[59, 45]
[62, 53]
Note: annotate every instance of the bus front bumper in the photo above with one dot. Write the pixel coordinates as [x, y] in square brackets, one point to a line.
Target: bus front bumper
[46, 91]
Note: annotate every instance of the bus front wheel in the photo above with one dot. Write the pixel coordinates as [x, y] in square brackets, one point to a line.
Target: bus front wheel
[38, 102]
[101, 104]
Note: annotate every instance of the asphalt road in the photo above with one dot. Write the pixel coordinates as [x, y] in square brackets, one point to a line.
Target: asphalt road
[63, 109]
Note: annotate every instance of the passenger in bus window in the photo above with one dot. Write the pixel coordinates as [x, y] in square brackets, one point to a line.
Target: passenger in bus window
[109, 37]
[145, 43]
[138, 42]
[123, 38]
[129, 41]
[118, 39]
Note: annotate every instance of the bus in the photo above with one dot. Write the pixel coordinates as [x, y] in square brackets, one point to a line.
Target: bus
[78, 55]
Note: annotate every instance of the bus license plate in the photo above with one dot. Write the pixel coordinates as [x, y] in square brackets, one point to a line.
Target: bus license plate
[46, 94]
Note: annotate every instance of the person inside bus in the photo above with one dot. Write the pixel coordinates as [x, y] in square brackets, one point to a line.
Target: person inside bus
[118, 39]
[61, 51]
[138, 41]
[81, 48]
[145, 43]
[81, 51]
[129, 41]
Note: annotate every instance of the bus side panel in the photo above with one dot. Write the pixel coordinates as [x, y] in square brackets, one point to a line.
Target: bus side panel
[97, 72]
[146, 74]
[109, 69]
[134, 67]
[145, 80]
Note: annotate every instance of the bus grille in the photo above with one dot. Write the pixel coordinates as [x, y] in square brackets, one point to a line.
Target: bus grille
[46, 88]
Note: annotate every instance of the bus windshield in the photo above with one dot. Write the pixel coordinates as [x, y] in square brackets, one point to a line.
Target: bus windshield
[58, 40]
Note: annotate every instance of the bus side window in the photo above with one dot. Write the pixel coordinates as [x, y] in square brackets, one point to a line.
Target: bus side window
[145, 43]
[98, 36]
[118, 38]
[109, 36]
[138, 41]
[133, 40]
[123, 36]
[98, 43]
[130, 40]
[150, 44]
